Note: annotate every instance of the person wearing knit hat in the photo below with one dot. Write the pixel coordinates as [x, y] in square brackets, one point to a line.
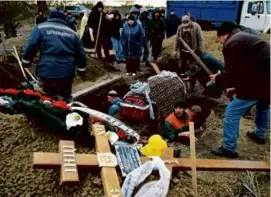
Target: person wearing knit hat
[247, 73]
[103, 40]
[132, 37]
[114, 100]
[176, 124]
[61, 52]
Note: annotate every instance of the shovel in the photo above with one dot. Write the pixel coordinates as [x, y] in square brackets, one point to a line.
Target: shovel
[98, 35]
[33, 84]
[209, 72]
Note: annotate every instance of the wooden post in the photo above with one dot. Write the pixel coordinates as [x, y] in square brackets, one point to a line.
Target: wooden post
[109, 175]
[193, 157]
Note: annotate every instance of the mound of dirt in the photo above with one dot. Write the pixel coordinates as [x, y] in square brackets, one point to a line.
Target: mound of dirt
[95, 69]
[211, 44]
[19, 139]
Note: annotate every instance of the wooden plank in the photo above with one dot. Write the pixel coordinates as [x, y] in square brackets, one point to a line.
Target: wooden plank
[155, 68]
[193, 157]
[95, 87]
[109, 175]
[68, 171]
[223, 165]
[53, 160]
[168, 154]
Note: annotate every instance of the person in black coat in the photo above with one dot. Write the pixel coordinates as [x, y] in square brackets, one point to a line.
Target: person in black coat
[104, 37]
[157, 32]
[40, 18]
[247, 72]
[172, 24]
[71, 22]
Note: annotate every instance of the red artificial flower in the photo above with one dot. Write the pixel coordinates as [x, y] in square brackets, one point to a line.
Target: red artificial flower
[44, 98]
[29, 92]
[11, 91]
[61, 104]
[2, 90]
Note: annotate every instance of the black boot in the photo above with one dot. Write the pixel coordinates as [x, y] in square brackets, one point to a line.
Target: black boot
[255, 138]
[221, 152]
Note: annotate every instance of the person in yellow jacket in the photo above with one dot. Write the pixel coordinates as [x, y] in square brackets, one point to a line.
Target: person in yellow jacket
[177, 123]
[84, 22]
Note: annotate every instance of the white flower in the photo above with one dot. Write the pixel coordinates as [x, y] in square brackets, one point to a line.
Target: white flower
[73, 119]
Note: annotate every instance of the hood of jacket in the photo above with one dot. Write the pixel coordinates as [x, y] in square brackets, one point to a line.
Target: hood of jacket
[134, 9]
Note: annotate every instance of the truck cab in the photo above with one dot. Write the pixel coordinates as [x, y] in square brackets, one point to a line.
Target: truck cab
[256, 15]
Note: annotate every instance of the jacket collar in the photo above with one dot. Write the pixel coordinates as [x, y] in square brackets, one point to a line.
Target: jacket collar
[57, 21]
[235, 31]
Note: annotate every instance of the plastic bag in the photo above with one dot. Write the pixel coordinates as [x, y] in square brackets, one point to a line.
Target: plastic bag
[151, 189]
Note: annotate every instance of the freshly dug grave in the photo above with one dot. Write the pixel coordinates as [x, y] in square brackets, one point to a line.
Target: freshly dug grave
[211, 44]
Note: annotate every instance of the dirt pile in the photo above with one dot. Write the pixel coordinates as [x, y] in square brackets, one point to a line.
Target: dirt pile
[95, 69]
[19, 140]
[211, 44]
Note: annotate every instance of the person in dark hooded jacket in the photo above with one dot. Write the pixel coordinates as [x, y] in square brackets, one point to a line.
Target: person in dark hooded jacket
[132, 37]
[172, 24]
[104, 37]
[115, 26]
[61, 51]
[145, 21]
[157, 32]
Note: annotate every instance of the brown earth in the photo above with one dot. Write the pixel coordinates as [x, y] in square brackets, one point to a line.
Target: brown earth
[19, 139]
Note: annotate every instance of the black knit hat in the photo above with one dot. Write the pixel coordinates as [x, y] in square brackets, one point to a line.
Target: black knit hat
[179, 103]
[226, 28]
[100, 5]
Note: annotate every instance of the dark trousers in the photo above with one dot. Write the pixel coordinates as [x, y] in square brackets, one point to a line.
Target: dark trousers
[58, 88]
[156, 46]
[102, 42]
[132, 64]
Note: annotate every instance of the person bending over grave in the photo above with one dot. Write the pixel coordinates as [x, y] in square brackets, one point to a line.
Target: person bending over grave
[114, 100]
[176, 124]
[60, 52]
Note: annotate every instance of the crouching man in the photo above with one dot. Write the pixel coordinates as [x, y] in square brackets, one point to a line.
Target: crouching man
[176, 125]
[60, 52]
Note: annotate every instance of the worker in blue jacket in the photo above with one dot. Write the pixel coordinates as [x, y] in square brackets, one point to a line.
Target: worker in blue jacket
[114, 100]
[60, 52]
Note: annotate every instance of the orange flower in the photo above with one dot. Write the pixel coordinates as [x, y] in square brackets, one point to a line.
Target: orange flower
[61, 104]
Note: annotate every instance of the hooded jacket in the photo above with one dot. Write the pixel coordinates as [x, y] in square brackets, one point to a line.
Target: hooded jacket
[132, 38]
[115, 26]
[115, 107]
[60, 50]
[157, 26]
[145, 23]
[247, 66]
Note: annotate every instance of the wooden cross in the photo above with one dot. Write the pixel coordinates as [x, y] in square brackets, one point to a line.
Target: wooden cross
[69, 162]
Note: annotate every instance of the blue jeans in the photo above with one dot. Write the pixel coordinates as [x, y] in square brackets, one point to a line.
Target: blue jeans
[234, 111]
[147, 52]
[117, 48]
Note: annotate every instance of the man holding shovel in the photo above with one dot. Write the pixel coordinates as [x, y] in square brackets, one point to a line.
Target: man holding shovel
[247, 70]
[60, 52]
[98, 22]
